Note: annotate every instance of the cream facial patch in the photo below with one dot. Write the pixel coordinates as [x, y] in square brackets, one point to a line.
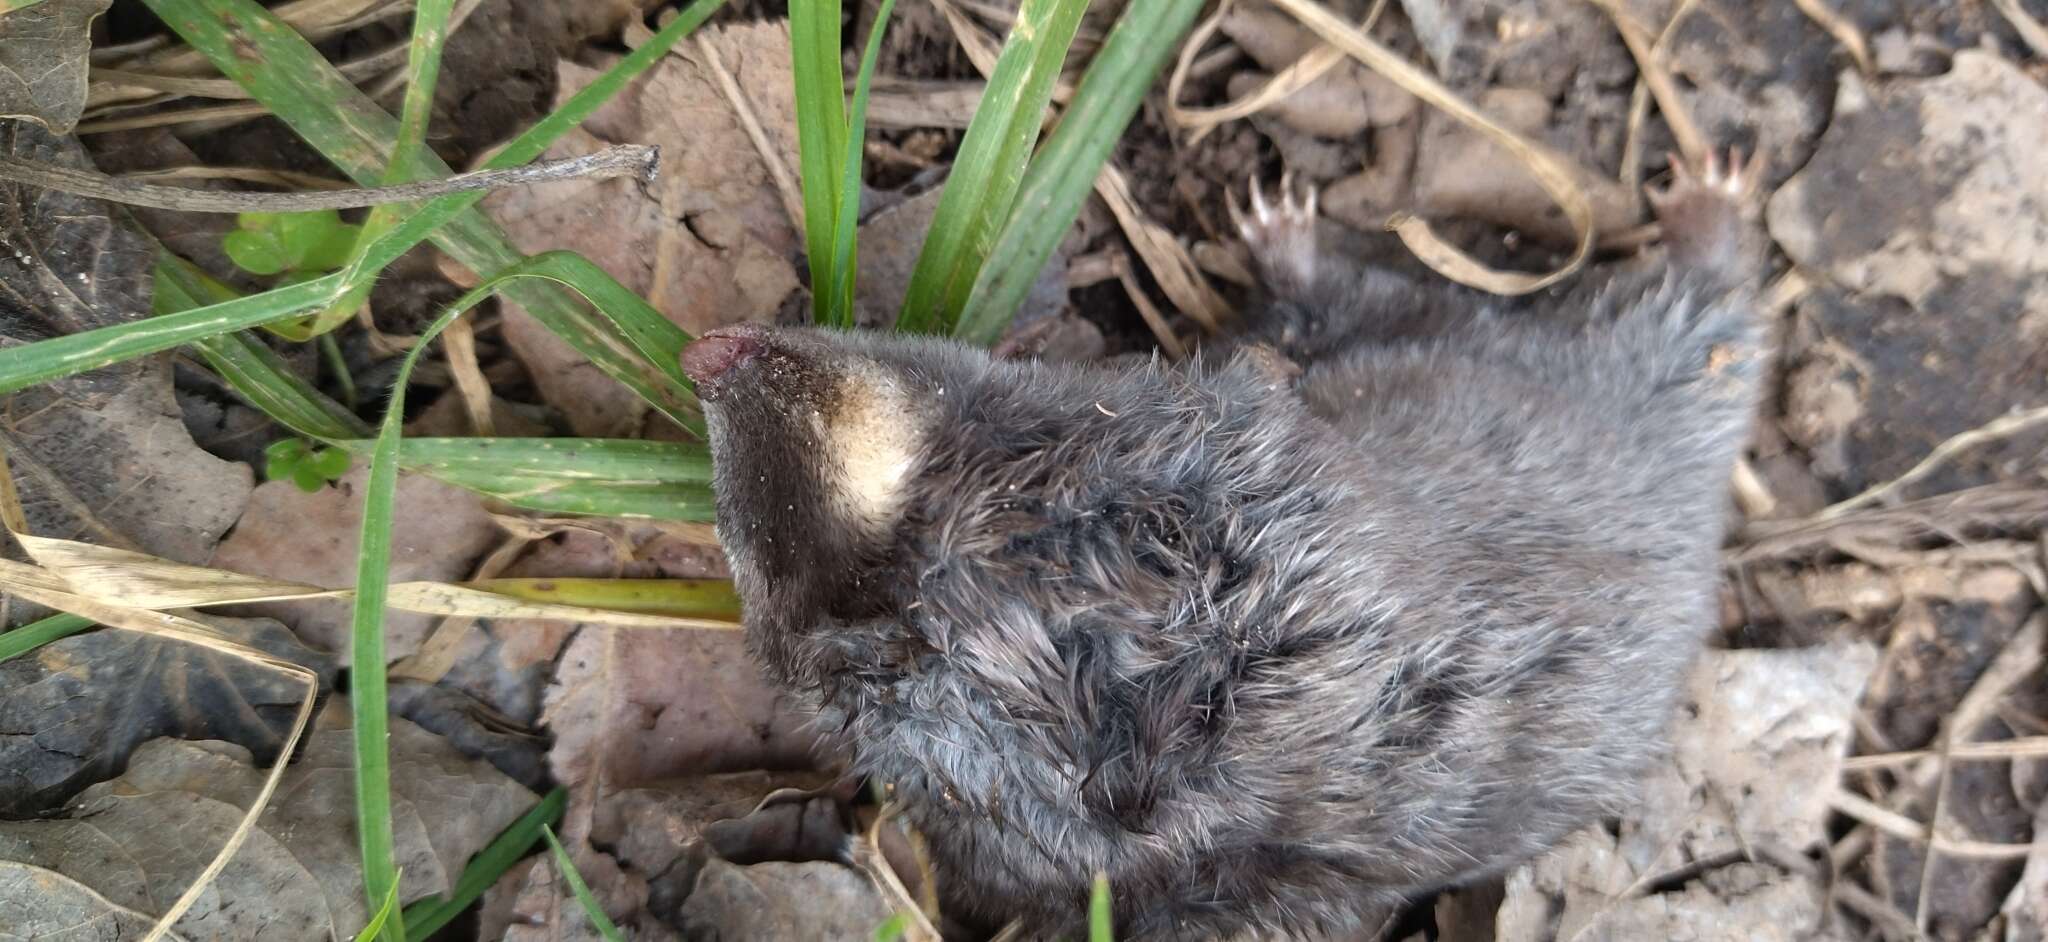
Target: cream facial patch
[871, 438]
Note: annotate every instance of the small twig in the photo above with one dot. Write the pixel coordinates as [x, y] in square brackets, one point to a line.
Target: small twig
[868, 855]
[2001, 427]
[2030, 29]
[1302, 73]
[154, 119]
[458, 341]
[1844, 31]
[2026, 747]
[1893, 924]
[285, 178]
[1650, 67]
[1639, 112]
[621, 160]
[1559, 175]
[1153, 319]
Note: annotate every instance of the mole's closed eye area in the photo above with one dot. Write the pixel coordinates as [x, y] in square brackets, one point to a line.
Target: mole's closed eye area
[974, 470]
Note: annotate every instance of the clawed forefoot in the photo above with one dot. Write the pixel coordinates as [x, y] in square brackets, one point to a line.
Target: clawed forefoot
[1707, 214]
[1281, 234]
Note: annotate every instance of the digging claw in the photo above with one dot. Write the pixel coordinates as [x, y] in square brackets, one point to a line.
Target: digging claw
[1280, 232]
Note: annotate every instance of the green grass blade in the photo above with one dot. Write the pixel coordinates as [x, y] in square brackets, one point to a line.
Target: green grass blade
[375, 927]
[45, 360]
[255, 371]
[846, 212]
[681, 598]
[609, 477]
[423, 63]
[594, 912]
[1099, 926]
[1065, 169]
[427, 916]
[983, 183]
[40, 632]
[820, 134]
[283, 72]
[368, 696]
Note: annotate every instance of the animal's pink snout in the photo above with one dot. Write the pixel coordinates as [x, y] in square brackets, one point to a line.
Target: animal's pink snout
[718, 352]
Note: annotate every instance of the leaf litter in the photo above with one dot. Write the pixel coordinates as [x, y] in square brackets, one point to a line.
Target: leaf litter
[1800, 801]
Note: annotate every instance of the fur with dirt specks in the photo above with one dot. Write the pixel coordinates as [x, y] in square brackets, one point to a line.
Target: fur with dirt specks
[1274, 653]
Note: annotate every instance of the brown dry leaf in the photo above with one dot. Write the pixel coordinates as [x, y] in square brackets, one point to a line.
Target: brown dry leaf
[139, 839]
[707, 244]
[50, 907]
[1922, 204]
[437, 531]
[780, 900]
[74, 709]
[631, 708]
[43, 61]
[101, 456]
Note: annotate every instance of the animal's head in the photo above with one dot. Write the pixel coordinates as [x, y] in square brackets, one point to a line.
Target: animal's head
[909, 519]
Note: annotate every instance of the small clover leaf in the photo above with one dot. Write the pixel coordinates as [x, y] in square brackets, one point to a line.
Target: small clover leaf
[304, 465]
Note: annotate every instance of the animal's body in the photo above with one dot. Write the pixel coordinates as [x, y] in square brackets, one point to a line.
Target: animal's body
[1275, 641]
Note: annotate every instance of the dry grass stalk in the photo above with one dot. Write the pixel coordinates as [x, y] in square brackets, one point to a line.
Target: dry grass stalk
[1164, 256]
[1650, 66]
[1198, 122]
[458, 342]
[1999, 428]
[1559, 175]
[133, 580]
[1844, 31]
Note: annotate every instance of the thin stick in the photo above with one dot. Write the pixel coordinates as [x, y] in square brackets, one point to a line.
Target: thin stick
[621, 160]
[1148, 311]
[1650, 67]
[2025, 747]
[1844, 32]
[1559, 175]
[1298, 75]
[2030, 29]
[2002, 427]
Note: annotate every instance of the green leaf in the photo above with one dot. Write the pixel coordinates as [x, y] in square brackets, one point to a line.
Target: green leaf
[246, 363]
[40, 632]
[820, 134]
[591, 910]
[1100, 928]
[982, 186]
[283, 72]
[1065, 169]
[330, 463]
[302, 234]
[375, 926]
[333, 250]
[258, 253]
[426, 916]
[893, 928]
[282, 457]
[308, 479]
[846, 209]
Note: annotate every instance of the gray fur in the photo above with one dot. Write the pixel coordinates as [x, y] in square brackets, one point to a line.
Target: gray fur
[1274, 653]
